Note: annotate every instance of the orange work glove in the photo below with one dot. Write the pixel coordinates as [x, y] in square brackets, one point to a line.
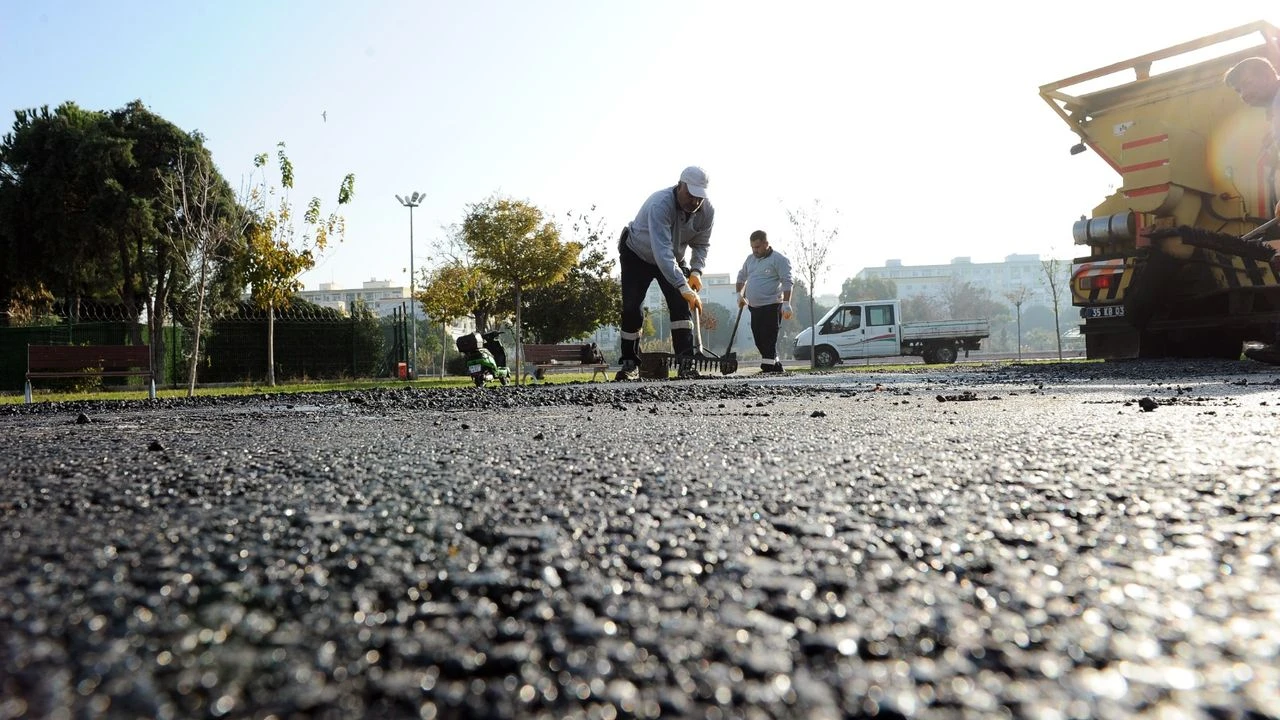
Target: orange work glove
[695, 281]
[787, 314]
[742, 301]
[691, 297]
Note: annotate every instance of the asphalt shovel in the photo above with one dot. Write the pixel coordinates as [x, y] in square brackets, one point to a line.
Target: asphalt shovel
[729, 361]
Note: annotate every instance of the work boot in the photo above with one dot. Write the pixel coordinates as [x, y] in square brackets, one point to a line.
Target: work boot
[630, 370]
[773, 368]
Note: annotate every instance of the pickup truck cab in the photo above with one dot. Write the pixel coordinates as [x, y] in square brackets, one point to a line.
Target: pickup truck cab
[870, 329]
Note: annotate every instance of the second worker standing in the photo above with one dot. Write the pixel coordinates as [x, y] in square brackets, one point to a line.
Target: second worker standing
[764, 284]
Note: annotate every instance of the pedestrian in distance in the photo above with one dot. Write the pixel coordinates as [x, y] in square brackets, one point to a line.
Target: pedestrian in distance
[764, 285]
[667, 242]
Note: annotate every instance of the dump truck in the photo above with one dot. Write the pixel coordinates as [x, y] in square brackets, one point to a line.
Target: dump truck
[1178, 260]
[874, 328]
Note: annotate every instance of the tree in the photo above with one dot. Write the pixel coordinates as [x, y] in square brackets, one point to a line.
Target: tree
[813, 238]
[82, 209]
[448, 295]
[964, 301]
[205, 226]
[868, 288]
[921, 308]
[275, 261]
[588, 297]
[1055, 279]
[1018, 296]
[717, 323]
[57, 171]
[515, 247]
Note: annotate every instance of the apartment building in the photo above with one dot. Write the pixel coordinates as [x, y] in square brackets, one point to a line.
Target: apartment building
[1018, 270]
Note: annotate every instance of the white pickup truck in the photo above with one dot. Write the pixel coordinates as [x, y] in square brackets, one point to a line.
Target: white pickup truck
[870, 329]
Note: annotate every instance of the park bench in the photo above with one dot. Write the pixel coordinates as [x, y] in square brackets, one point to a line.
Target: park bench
[576, 356]
[83, 361]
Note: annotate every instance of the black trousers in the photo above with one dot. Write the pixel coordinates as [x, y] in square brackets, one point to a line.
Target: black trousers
[637, 276]
[765, 321]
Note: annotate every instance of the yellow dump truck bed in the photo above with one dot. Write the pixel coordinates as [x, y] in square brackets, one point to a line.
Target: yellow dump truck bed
[1164, 271]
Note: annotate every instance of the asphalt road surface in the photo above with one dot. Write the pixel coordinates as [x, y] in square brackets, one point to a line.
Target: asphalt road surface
[1079, 541]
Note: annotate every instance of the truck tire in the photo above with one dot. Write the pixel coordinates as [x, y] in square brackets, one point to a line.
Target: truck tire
[944, 355]
[825, 356]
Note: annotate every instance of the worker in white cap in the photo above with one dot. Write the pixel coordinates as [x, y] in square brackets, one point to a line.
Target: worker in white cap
[672, 223]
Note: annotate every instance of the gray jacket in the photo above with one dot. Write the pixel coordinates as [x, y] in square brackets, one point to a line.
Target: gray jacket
[766, 278]
[651, 235]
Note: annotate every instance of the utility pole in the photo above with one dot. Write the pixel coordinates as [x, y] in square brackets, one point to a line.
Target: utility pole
[411, 202]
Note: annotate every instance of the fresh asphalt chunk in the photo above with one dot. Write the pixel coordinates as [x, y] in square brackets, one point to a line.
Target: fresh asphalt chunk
[376, 559]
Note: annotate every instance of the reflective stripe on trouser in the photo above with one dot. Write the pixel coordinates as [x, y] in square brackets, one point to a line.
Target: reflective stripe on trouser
[637, 276]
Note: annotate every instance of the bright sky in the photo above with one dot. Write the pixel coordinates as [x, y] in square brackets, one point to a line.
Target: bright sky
[916, 124]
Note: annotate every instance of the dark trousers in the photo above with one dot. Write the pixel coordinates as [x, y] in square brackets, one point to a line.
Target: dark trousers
[637, 276]
[765, 321]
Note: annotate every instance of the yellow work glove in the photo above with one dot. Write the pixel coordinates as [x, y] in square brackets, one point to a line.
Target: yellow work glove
[787, 314]
[742, 301]
[695, 281]
[691, 297]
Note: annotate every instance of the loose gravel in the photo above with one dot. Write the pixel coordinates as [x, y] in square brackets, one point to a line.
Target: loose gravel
[981, 541]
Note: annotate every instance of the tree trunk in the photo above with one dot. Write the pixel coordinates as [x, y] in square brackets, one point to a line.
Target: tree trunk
[813, 330]
[271, 343]
[195, 343]
[444, 345]
[519, 365]
[1057, 330]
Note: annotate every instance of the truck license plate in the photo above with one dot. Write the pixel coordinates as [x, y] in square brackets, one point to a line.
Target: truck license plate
[1108, 311]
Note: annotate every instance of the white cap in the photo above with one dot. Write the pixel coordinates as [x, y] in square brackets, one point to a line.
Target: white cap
[696, 180]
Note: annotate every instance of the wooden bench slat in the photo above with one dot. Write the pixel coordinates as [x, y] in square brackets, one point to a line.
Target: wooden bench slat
[72, 361]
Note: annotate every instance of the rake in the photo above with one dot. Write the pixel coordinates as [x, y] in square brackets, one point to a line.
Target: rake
[660, 364]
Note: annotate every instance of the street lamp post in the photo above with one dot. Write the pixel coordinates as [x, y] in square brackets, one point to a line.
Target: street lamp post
[411, 202]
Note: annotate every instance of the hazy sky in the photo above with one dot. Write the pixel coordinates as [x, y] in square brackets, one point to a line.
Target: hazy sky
[916, 124]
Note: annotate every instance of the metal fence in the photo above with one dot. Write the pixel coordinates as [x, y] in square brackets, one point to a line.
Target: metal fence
[308, 345]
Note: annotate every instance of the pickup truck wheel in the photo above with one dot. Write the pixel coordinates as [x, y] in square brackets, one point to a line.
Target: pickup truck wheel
[929, 357]
[825, 356]
[945, 355]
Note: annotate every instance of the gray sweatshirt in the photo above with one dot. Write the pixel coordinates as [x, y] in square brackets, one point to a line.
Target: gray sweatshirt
[651, 235]
[767, 278]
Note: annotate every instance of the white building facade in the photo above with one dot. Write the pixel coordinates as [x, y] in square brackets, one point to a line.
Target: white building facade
[1001, 278]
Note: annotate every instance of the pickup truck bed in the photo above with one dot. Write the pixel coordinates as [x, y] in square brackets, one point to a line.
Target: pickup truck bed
[945, 329]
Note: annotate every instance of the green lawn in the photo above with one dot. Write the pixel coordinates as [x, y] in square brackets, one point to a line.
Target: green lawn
[554, 378]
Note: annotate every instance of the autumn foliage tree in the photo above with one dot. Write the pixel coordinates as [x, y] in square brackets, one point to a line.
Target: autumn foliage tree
[588, 297]
[278, 253]
[448, 294]
[517, 248]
